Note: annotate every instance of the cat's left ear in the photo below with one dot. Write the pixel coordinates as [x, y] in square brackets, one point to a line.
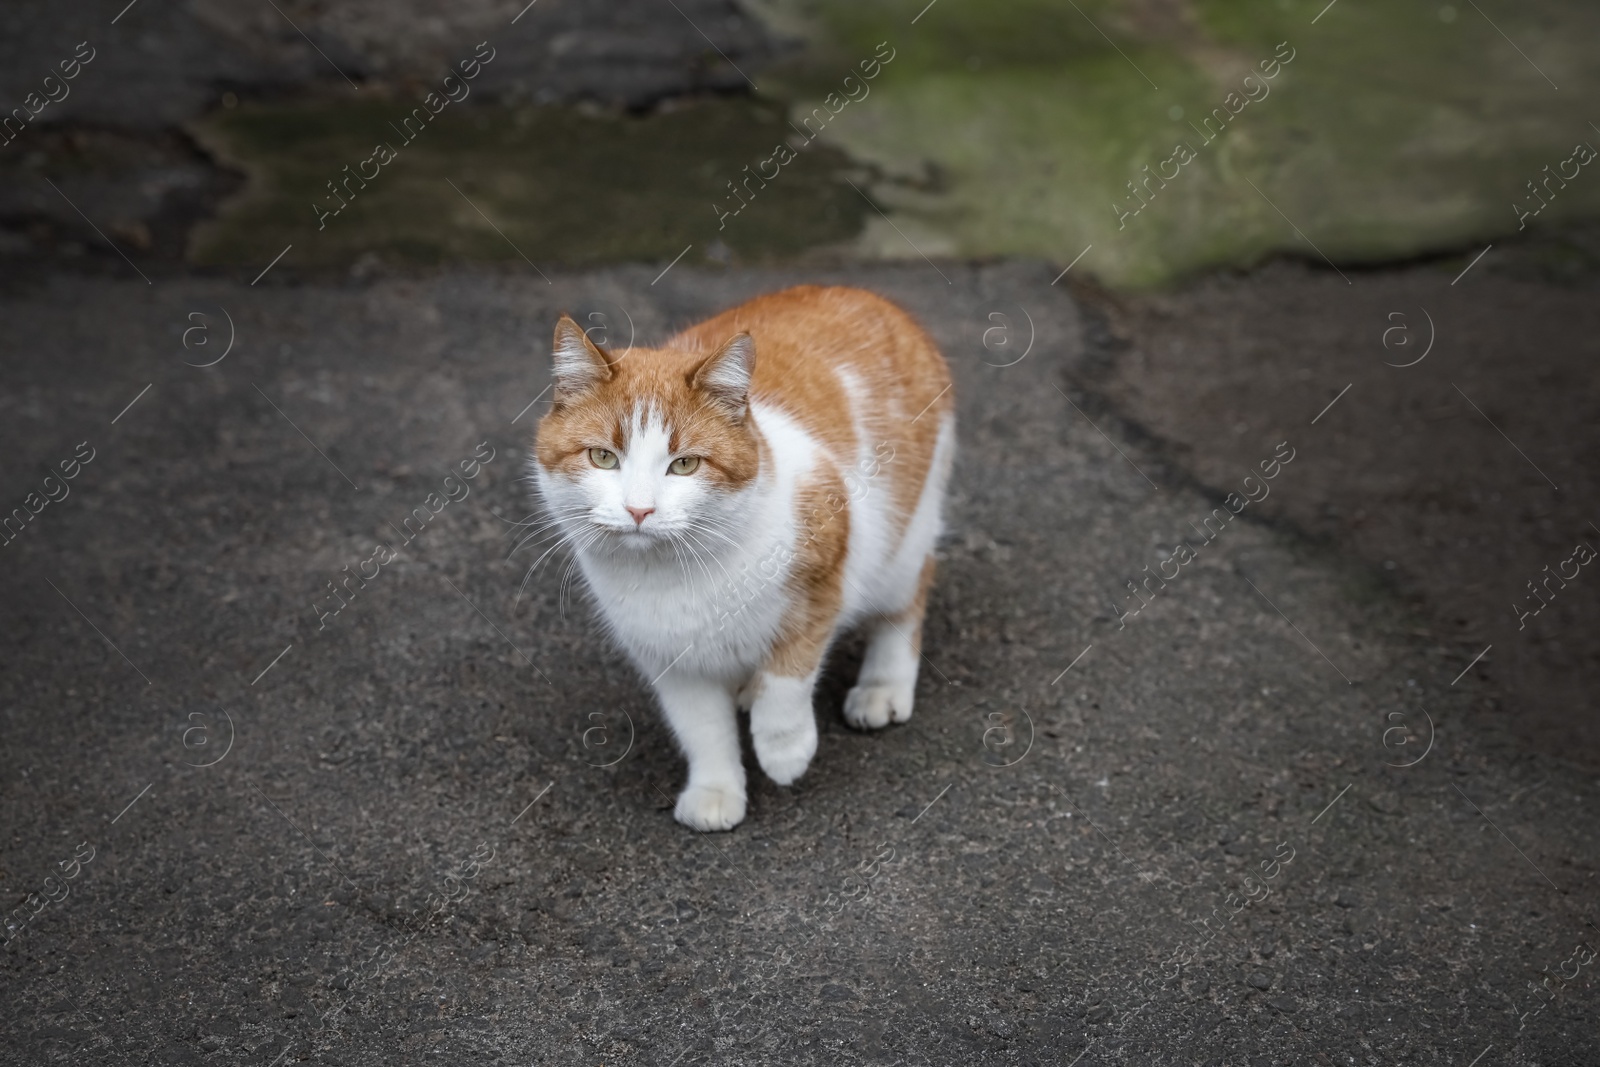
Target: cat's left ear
[725, 375]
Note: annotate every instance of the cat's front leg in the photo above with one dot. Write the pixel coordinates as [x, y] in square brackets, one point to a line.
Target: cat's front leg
[783, 727]
[701, 714]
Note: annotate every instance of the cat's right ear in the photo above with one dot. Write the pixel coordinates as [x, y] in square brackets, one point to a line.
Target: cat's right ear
[578, 364]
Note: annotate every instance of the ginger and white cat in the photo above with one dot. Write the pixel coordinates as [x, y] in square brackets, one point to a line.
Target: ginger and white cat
[740, 496]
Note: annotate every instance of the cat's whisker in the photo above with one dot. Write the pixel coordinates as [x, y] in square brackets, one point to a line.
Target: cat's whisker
[533, 570]
[517, 522]
[689, 532]
[683, 567]
[562, 538]
[523, 538]
[689, 544]
[558, 538]
[523, 529]
[550, 514]
[701, 526]
[561, 592]
[565, 540]
[571, 511]
[536, 537]
[528, 576]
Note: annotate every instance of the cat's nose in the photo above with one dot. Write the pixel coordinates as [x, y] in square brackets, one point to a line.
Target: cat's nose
[639, 514]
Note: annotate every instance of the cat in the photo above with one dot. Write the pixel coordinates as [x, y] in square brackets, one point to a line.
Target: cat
[801, 443]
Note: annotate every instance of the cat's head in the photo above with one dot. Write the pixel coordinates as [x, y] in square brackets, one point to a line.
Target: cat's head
[650, 447]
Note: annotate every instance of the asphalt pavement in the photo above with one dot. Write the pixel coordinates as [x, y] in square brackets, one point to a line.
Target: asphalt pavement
[1247, 814]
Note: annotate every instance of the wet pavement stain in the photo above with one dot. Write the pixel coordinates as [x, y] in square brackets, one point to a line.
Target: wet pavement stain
[554, 186]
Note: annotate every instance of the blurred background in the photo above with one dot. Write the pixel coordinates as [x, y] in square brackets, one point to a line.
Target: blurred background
[608, 134]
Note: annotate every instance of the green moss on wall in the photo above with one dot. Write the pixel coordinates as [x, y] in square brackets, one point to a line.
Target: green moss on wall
[1397, 129]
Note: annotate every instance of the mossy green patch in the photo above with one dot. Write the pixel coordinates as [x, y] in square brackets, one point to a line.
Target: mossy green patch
[563, 187]
[1394, 130]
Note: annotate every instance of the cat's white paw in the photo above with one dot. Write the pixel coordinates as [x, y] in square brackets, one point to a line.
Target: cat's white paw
[711, 807]
[786, 754]
[872, 707]
[782, 726]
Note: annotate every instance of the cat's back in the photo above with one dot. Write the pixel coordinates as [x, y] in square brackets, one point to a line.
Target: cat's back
[854, 369]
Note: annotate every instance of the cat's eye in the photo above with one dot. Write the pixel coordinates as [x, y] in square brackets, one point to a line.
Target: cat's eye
[684, 465]
[603, 458]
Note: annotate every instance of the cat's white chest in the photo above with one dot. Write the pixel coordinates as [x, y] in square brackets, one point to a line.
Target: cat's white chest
[721, 620]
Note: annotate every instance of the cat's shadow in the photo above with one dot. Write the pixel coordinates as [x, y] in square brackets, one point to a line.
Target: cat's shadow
[839, 672]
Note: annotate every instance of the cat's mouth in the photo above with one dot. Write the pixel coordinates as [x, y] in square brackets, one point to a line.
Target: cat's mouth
[633, 537]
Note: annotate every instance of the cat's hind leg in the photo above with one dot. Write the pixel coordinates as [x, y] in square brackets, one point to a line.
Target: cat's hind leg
[888, 680]
[783, 727]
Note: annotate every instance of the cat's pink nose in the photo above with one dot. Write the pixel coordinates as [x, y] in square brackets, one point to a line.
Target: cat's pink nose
[639, 514]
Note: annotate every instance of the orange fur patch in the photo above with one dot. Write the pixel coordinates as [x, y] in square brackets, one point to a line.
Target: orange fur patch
[817, 580]
[806, 335]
